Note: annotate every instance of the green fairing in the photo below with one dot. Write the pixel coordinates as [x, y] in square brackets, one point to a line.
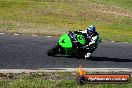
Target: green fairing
[65, 41]
[81, 39]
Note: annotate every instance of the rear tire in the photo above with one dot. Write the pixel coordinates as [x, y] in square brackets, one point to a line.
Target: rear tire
[53, 51]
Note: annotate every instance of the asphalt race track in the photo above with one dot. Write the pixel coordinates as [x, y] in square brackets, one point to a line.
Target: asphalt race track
[29, 52]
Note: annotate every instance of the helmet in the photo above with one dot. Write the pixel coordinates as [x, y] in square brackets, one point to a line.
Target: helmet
[91, 29]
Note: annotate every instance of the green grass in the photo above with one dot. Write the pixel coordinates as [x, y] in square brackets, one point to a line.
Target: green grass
[49, 80]
[39, 83]
[113, 18]
[126, 4]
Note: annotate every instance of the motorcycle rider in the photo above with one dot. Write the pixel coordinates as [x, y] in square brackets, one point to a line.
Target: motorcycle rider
[92, 38]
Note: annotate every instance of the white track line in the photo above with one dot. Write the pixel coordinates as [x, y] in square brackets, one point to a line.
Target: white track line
[34, 35]
[48, 36]
[2, 33]
[112, 41]
[16, 34]
[66, 70]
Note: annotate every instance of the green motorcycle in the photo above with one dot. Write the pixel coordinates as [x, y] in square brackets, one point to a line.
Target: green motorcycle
[68, 46]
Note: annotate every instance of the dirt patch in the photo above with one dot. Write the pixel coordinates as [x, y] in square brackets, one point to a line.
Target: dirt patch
[110, 10]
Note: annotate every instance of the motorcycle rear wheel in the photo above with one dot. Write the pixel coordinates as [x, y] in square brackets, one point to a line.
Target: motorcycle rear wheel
[53, 52]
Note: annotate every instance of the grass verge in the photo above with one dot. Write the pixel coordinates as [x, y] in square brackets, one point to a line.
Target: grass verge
[55, 17]
[49, 80]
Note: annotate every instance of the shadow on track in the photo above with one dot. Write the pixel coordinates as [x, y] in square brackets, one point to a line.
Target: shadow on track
[66, 56]
[92, 58]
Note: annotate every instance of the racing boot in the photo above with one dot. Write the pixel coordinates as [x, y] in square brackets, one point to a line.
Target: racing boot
[87, 55]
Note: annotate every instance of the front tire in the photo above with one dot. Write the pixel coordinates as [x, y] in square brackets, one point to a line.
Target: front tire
[81, 53]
